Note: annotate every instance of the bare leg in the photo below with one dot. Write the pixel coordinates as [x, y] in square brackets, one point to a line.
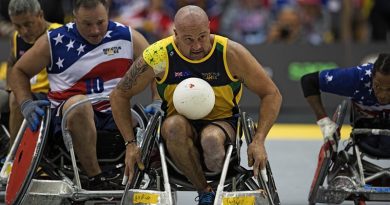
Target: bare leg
[15, 118]
[179, 138]
[81, 124]
[213, 144]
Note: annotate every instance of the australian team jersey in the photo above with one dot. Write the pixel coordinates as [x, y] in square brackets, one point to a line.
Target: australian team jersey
[164, 56]
[80, 68]
[39, 83]
[355, 83]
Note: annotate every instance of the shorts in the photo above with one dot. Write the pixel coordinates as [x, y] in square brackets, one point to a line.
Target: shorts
[199, 125]
[104, 121]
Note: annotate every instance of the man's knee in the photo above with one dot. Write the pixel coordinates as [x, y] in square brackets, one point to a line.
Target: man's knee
[175, 129]
[84, 110]
[213, 151]
[82, 113]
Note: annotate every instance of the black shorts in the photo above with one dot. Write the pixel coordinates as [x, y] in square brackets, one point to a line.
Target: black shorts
[199, 125]
[104, 121]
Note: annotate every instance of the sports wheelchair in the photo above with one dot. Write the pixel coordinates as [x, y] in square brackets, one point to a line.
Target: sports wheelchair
[354, 172]
[233, 185]
[50, 175]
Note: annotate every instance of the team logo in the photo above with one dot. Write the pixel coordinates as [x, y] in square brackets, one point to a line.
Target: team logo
[111, 51]
[210, 76]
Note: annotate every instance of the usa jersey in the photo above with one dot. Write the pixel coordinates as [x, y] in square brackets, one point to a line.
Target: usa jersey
[355, 83]
[78, 67]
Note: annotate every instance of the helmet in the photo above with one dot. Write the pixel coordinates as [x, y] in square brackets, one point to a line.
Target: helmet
[194, 98]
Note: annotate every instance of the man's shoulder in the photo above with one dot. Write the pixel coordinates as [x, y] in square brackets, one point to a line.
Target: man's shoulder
[156, 55]
[159, 45]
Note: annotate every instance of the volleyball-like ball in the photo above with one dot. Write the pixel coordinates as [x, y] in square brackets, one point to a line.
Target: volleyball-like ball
[194, 98]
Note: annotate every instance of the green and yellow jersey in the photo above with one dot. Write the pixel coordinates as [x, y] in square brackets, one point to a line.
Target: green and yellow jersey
[40, 82]
[164, 56]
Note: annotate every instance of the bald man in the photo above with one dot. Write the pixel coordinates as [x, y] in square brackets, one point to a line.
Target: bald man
[196, 145]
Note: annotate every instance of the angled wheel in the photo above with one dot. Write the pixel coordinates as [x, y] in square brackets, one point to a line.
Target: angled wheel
[249, 129]
[26, 160]
[147, 144]
[327, 156]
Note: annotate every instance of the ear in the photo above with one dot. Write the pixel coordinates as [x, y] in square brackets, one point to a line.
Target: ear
[41, 14]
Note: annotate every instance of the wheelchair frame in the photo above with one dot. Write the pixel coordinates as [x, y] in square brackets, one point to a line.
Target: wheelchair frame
[146, 188]
[348, 173]
[262, 192]
[65, 190]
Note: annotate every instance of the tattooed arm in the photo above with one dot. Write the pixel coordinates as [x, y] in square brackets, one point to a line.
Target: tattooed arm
[244, 66]
[135, 80]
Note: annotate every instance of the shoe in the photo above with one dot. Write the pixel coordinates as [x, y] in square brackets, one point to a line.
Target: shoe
[206, 198]
[101, 182]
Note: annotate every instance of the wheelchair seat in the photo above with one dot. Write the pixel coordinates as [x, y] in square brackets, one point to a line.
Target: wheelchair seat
[371, 147]
[375, 146]
[110, 151]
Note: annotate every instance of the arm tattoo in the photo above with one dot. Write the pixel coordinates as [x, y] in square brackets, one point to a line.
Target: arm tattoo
[130, 78]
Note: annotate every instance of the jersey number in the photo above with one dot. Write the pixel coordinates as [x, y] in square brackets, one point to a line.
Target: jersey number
[94, 85]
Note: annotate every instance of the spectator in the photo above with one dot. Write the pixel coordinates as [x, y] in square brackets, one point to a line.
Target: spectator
[348, 20]
[315, 22]
[286, 28]
[246, 21]
[380, 20]
[148, 17]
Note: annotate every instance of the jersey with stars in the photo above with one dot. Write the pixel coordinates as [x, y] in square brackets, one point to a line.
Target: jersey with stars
[78, 67]
[353, 82]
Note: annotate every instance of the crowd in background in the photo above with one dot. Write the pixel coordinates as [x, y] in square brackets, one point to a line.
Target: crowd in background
[253, 22]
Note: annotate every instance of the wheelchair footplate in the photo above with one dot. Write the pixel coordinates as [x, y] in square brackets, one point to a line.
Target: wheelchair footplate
[255, 197]
[339, 195]
[147, 197]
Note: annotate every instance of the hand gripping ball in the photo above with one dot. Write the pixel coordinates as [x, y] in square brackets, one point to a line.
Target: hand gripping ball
[194, 98]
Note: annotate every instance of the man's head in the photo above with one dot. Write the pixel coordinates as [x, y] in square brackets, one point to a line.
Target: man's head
[381, 78]
[27, 18]
[192, 32]
[91, 17]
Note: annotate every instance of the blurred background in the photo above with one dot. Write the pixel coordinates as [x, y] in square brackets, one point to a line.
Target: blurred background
[288, 37]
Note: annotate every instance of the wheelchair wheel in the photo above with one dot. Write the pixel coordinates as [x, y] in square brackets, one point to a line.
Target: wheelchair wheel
[249, 129]
[27, 158]
[147, 145]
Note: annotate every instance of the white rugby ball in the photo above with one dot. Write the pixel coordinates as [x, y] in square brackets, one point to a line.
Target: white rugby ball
[194, 98]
